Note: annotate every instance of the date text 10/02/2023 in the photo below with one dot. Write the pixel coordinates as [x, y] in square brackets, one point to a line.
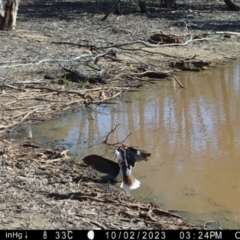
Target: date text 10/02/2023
[168, 234]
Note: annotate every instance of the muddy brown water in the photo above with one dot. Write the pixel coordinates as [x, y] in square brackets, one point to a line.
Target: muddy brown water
[193, 135]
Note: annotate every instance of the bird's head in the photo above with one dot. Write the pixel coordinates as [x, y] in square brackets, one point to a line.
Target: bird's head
[119, 153]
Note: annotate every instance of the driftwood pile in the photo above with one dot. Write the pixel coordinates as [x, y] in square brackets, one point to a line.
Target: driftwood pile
[43, 188]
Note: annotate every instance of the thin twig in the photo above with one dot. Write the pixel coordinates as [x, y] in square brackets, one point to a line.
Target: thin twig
[112, 130]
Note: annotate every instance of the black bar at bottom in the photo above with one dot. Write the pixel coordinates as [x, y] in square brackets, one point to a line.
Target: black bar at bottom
[115, 235]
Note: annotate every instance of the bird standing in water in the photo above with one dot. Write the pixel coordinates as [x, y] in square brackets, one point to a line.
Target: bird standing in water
[127, 158]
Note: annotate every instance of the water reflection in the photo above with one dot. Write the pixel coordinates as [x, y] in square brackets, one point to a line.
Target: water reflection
[192, 133]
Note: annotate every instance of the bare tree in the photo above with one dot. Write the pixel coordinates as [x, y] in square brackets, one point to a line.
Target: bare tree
[1, 9]
[8, 14]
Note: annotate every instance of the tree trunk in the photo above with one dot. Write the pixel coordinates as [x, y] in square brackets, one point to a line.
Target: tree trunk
[10, 14]
[143, 6]
[117, 9]
[1, 9]
[1, 12]
[231, 5]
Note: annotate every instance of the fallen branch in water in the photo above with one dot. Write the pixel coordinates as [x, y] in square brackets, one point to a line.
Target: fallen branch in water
[112, 130]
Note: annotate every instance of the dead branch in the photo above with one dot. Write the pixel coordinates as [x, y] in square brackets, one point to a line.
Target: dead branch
[191, 65]
[83, 77]
[112, 130]
[76, 44]
[147, 51]
[109, 54]
[176, 79]
[158, 210]
[106, 99]
[11, 86]
[206, 223]
[37, 62]
[32, 145]
[99, 225]
[152, 74]
[154, 45]
[157, 72]
[138, 42]
[59, 91]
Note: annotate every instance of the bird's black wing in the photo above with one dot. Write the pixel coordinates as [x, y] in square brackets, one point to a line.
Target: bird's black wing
[102, 165]
[134, 155]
